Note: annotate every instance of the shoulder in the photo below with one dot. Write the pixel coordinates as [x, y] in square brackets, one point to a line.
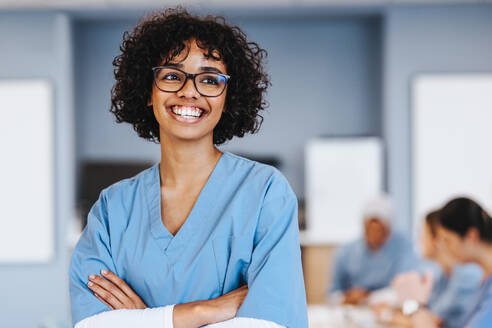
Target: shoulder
[467, 276]
[468, 271]
[263, 176]
[117, 199]
[239, 163]
[127, 187]
[351, 249]
[399, 240]
[264, 186]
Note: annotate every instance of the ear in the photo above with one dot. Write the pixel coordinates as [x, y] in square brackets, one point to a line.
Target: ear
[473, 235]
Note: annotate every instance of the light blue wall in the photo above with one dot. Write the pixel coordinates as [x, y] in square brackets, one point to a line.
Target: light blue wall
[325, 81]
[39, 45]
[98, 136]
[417, 40]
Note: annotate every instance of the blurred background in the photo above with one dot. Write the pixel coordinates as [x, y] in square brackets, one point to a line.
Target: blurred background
[367, 96]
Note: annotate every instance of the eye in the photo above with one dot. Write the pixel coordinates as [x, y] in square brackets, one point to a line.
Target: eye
[210, 79]
[170, 77]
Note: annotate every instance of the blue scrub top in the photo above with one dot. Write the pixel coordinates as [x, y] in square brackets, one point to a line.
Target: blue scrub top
[478, 314]
[485, 321]
[243, 229]
[356, 265]
[451, 296]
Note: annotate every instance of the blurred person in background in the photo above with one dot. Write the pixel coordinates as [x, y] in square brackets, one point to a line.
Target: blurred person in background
[203, 237]
[371, 262]
[465, 231]
[447, 292]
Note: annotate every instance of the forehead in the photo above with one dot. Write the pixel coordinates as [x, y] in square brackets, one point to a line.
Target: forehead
[192, 52]
[443, 232]
[374, 221]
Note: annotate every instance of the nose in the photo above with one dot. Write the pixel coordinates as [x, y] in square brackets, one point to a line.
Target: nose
[188, 90]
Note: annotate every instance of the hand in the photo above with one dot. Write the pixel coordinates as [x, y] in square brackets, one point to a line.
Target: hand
[201, 313]
[114, 291]
[383, 312]
[412, 285]
[425, 319]
[355, 296]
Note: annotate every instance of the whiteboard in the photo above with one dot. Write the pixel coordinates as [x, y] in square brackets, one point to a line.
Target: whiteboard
[26, 171]
[342, 174]
[452, 140]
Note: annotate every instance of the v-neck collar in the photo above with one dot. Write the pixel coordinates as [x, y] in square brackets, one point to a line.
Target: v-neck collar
[203, 205]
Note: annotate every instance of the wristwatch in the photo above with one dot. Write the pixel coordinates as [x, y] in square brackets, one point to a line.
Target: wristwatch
[410, 306]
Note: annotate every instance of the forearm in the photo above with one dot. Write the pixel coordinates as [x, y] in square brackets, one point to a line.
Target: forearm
[201, 313]
[161, 317]
[194, 314]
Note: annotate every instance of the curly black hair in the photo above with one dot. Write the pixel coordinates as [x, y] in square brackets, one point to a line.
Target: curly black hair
[162, 36]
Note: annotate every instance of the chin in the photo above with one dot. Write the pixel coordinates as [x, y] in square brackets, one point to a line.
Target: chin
[192, 137]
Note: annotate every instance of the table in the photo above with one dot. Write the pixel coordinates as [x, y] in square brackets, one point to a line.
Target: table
[343, 316]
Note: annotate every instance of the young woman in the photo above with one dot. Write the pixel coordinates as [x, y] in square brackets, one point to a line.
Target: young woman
[465, 230]
[446, 293]
[203, 236]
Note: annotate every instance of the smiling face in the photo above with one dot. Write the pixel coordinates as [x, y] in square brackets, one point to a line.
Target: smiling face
[186, 115]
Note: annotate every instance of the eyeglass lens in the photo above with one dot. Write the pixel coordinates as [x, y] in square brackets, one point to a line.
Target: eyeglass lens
[208, 84]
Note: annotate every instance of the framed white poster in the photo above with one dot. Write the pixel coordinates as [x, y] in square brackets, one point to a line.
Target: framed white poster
[452, 140]
[342, 174]
[27, 232]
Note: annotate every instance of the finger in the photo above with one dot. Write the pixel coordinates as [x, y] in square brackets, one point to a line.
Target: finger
[105, 295]
[110, 287]
[122, 285]
[102, 300]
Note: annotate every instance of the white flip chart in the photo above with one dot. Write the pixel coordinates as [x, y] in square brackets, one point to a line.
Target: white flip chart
[342, 174]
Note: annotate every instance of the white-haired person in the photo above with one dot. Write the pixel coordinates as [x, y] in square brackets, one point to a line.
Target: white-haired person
[371, 262]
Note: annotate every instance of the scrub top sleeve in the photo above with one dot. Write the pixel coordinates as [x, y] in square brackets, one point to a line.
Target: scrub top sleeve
[274, 276]
[485, 321]
[91, 254]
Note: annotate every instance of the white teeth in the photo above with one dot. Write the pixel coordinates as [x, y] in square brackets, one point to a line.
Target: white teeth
[186, 111]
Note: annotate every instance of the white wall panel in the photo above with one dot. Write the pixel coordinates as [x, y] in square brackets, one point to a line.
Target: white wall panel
[341, 176]
[26, 171]
[452, 140]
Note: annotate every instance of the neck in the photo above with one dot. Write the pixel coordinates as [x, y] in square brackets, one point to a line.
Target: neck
[447, 268]
[446, 263]
[183, 162]
[484, 258]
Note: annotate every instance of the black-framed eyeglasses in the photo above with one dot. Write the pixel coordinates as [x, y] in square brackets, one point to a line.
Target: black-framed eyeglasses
[172, 79]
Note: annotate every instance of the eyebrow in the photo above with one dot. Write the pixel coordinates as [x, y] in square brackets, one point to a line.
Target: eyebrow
[203, 68]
